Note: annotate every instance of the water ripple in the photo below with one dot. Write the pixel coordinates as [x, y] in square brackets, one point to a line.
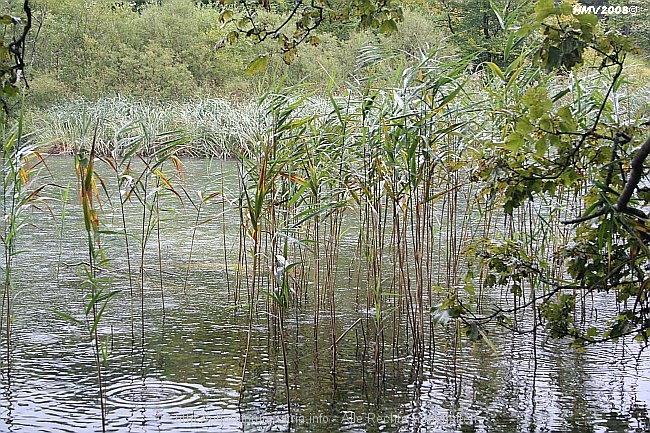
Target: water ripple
[154, 394]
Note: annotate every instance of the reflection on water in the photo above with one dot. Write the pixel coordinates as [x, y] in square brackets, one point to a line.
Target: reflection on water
[185, 375]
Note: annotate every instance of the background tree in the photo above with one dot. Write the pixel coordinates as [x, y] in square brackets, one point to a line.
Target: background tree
[479, 28]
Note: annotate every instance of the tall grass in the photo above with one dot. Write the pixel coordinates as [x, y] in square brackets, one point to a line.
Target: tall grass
[217, 127]
[19, 167]
[137, 156]
[95, 289]
[399, 153]
[387, 154]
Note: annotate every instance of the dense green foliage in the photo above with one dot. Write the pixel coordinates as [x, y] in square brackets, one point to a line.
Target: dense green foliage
[479, 28]
[12, 60]
[103, 48]
[18, 158]
[564, 140]
[178, 49]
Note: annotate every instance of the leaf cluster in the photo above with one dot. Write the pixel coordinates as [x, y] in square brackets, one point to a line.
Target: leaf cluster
[302, 19]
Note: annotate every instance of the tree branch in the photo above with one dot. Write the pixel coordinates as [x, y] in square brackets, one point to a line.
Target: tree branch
[635, 176]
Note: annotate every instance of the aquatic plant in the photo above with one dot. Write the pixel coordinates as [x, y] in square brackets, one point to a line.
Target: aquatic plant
[17, 155]
[96, 294]
[19, 167]
[215, 125]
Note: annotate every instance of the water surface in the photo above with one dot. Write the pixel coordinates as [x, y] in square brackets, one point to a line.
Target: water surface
[185, 374]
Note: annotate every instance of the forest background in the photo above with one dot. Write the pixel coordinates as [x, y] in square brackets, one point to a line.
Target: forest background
[177, 56]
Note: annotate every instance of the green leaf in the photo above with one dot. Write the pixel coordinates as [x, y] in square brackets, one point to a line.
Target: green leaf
[587, 20]
[541, 146]
[8, 20]
[537, 101]
[232, 37]
[67, 317]
[524, 127]
[544, 9]
[288, 56]
[591, 333]
[9, 90]
[111, 232]
[566, 8]
[498, 15]
[496, 70]
[226, 15]
[388, 27]
[552, 59]
[568, 123]
[509, 44]
[258, 65]
[515, 141]
[560, 94]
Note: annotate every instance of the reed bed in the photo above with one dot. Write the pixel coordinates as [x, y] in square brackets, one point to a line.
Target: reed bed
[215, 126]
[379, 156]
[400, 156]
[390, 171]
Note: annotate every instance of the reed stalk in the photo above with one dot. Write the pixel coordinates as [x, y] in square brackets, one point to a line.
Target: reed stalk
[97, 298]
[19, 162]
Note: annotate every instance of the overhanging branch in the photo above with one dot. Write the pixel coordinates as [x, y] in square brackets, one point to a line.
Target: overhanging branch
[632, 183]
[635, 176]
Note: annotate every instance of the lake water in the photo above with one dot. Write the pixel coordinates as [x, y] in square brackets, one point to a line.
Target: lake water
[185, 375]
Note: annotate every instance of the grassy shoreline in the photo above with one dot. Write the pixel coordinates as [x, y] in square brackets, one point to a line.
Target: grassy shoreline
[214, 127]
[211, 126]
[208, 127]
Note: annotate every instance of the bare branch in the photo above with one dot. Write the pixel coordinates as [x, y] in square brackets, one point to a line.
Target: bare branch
[635, 177]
